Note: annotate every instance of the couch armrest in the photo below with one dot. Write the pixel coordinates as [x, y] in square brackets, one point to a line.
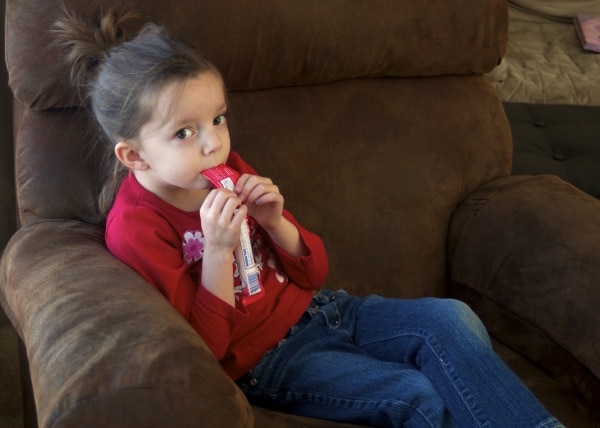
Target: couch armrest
[105, 348]
[524, 251]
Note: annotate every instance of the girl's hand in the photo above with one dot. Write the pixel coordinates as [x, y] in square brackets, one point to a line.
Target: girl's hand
[265, 205]
[222, 214]
[262, 197]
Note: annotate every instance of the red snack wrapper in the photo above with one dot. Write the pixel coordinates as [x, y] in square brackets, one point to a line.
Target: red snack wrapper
[222, 176]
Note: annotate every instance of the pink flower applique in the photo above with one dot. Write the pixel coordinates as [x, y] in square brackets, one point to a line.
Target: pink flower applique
[193, 246]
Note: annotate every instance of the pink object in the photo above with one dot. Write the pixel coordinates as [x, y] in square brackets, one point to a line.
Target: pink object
[588, 30]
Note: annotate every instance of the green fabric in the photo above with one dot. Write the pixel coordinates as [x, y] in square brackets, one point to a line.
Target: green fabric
[562, 140]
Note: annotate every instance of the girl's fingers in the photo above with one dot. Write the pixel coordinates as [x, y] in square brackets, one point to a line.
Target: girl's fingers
[222, 215]
[253, 188]
[221, 203]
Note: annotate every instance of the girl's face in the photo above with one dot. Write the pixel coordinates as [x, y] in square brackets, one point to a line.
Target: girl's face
[187, 134]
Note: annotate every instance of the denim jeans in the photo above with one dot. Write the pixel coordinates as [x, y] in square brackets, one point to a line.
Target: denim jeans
[392, 363]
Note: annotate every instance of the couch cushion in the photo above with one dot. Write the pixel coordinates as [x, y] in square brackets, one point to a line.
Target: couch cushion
[265, 44]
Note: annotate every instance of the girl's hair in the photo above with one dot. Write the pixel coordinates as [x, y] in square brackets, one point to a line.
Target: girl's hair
[122, 76]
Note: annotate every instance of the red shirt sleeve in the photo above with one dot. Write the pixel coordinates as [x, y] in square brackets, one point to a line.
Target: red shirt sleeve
[309, 271]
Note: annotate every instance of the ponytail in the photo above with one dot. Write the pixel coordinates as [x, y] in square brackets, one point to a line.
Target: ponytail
[87, 43]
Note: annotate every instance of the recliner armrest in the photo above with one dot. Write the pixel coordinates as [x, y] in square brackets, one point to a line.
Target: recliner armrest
[105, 348]
[524, 251]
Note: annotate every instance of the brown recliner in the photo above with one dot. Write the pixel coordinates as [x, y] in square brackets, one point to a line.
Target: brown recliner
[378, 124]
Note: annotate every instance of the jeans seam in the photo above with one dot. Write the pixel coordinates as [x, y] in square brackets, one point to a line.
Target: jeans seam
[275, 395]
[550, 423]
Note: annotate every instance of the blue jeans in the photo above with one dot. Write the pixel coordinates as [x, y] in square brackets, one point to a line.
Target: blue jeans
[392, 363]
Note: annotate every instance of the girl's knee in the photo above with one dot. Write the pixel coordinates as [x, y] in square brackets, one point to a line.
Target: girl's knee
[462, 316]
[452, 319]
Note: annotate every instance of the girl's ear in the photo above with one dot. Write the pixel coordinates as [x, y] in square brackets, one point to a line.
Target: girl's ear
[130, 156]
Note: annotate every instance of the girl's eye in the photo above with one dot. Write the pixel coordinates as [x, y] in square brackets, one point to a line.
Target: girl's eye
[184, 133]
[220, 120]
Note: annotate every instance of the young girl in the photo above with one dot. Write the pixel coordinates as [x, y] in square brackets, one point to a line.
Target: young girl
[326, 354]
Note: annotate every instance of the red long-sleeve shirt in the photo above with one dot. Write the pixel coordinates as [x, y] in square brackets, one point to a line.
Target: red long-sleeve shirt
[164, 244]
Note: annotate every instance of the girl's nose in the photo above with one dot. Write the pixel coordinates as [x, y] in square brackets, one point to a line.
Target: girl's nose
[211, 142]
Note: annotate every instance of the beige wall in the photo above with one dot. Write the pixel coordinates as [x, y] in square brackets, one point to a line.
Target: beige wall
[7, 199]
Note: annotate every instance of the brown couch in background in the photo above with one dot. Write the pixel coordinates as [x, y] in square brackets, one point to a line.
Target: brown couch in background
[377, 123]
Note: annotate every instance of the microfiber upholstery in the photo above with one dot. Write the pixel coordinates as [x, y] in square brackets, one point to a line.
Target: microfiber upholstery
[532, 277]
[562, 140]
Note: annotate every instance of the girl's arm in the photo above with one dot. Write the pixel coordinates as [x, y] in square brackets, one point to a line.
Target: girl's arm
[286, 236]
[301, 252]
